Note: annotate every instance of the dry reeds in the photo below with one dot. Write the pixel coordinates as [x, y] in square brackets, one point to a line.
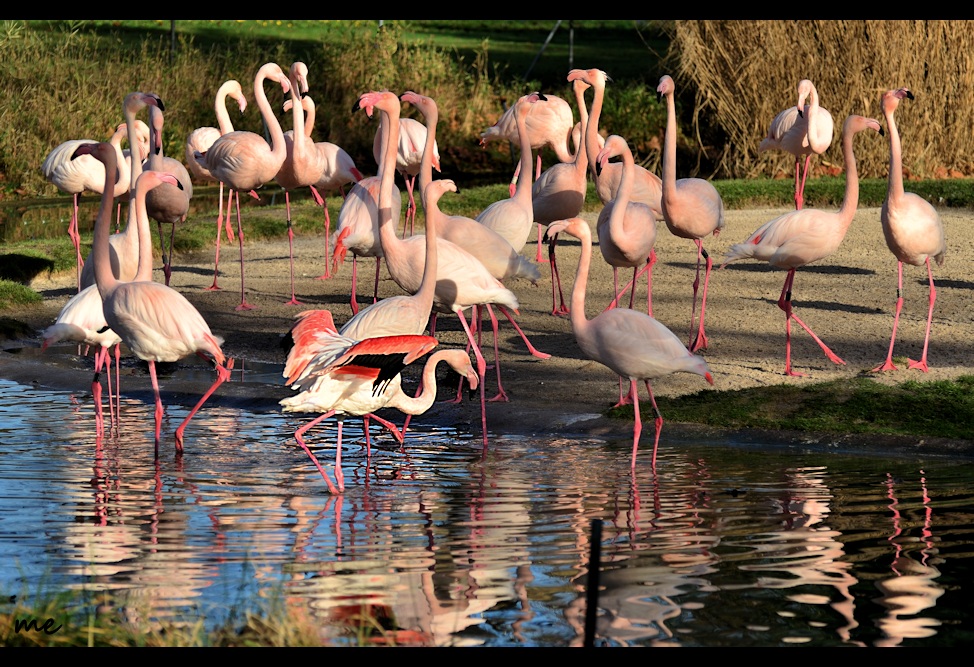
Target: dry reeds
[745, 72]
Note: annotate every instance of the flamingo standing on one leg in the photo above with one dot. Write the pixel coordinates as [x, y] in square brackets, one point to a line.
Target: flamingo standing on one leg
[244, 160]
[630, 343]
[806, 235]
[692, 209]
[802, 130]
[199, 141]
[341, 376]
[912, 227]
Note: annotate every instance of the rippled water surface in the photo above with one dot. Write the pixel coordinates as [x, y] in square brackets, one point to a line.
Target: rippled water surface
[452, 546]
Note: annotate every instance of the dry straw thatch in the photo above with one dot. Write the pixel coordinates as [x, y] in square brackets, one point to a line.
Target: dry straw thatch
[745, 72]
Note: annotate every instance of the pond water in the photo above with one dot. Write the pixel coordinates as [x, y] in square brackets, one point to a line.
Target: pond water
[451, 545]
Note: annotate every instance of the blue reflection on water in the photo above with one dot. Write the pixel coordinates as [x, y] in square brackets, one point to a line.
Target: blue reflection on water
[724, 546]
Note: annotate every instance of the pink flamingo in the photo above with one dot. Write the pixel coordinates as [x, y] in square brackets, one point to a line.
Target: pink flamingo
[462, 281]
[339, 169]
[912, 227]
[304, 165]
[802, 130]
[82, 319]
[692, 209]
[154, 321]
[337, 375]
[550, 125]
[806, 235]
[87, 174]
[513, 218]
[245, 161]
[631, 344]
[647, 186]
[199, 141]
[559, 193]
[409, 156]
[166, 204]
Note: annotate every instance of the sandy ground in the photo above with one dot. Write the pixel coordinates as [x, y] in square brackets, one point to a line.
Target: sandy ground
[847, 299]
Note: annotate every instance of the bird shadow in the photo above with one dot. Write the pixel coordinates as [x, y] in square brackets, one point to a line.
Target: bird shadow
[767, 268]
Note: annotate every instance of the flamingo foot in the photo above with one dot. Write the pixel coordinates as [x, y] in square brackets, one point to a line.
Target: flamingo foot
[885, 366]
[795, 374]
[245, 306]
[920, 365]
[699, 343]
[501, 396]
[293, 302]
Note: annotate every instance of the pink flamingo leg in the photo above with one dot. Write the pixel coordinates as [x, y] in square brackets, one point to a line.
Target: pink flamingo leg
[410, 218]
[396, 433]
[658, 423]
[290, 240]
[327, 274]
[501, 394]
[240, 238]
[888, 364]
[75, 236]
[222, 375]
[699, 342]
[539, 258]
[353, 303]
[784, 302]
[534, 352]
[298, 435]
[219, 233]
[155, 389]
[922, 364]
[481, 371]
[556, 280]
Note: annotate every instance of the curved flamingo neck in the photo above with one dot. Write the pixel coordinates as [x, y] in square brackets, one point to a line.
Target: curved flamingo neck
[131, 105]
[424, 401]
[104, 278]
[527, 156]
[592, 126]
[278, 148]
[894, 186]
[222, 115]
[432, 115]
[387, 170]
[156, 154]
[144, 272]
[669, 148]
[818, 140]
[297, 111]
[577, 315]
[581, 151]
[850, 200]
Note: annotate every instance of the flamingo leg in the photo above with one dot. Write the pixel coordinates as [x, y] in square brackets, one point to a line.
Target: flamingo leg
[327, 273]
[539, 258]
[556, 279]
[75, 236]
[699, 342]
[658, 423]
[158, 412]
[353, 304]
[96, 391]
[922, 364]
[222, 375]
[240, 238]
[481, 371]
[501, 394]
[534, 352]
[290, 241]
[784, 302]
[375, 291]
[299, 436]
[219, 233]
[888, 364]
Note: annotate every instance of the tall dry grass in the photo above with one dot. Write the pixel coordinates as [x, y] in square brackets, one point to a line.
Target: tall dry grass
[744, 72]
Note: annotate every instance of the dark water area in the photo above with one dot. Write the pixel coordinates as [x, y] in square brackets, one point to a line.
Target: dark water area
[455, 545]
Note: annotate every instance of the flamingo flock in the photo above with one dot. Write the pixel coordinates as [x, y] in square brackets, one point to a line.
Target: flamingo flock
[459, 266]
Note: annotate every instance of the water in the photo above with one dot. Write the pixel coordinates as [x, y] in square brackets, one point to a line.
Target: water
[725, 546]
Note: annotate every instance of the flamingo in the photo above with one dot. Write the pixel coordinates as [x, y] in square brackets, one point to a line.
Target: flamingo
[550, 125]
[304, 165]
[462, 281]
[87, 174]
[802, 130]
[82, 319]
[167, 204]
[626, 228]
[409, 156]
[912, 227]
[647, 186]
[513, 218]
[157, 323]
[339, 169]
[559, 193]
[806, 235]
[337, 375]
[244, 161]
[199, 141]
[692, 209]
[633, 345]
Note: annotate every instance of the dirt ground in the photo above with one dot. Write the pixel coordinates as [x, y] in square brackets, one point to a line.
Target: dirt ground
[847, 299]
